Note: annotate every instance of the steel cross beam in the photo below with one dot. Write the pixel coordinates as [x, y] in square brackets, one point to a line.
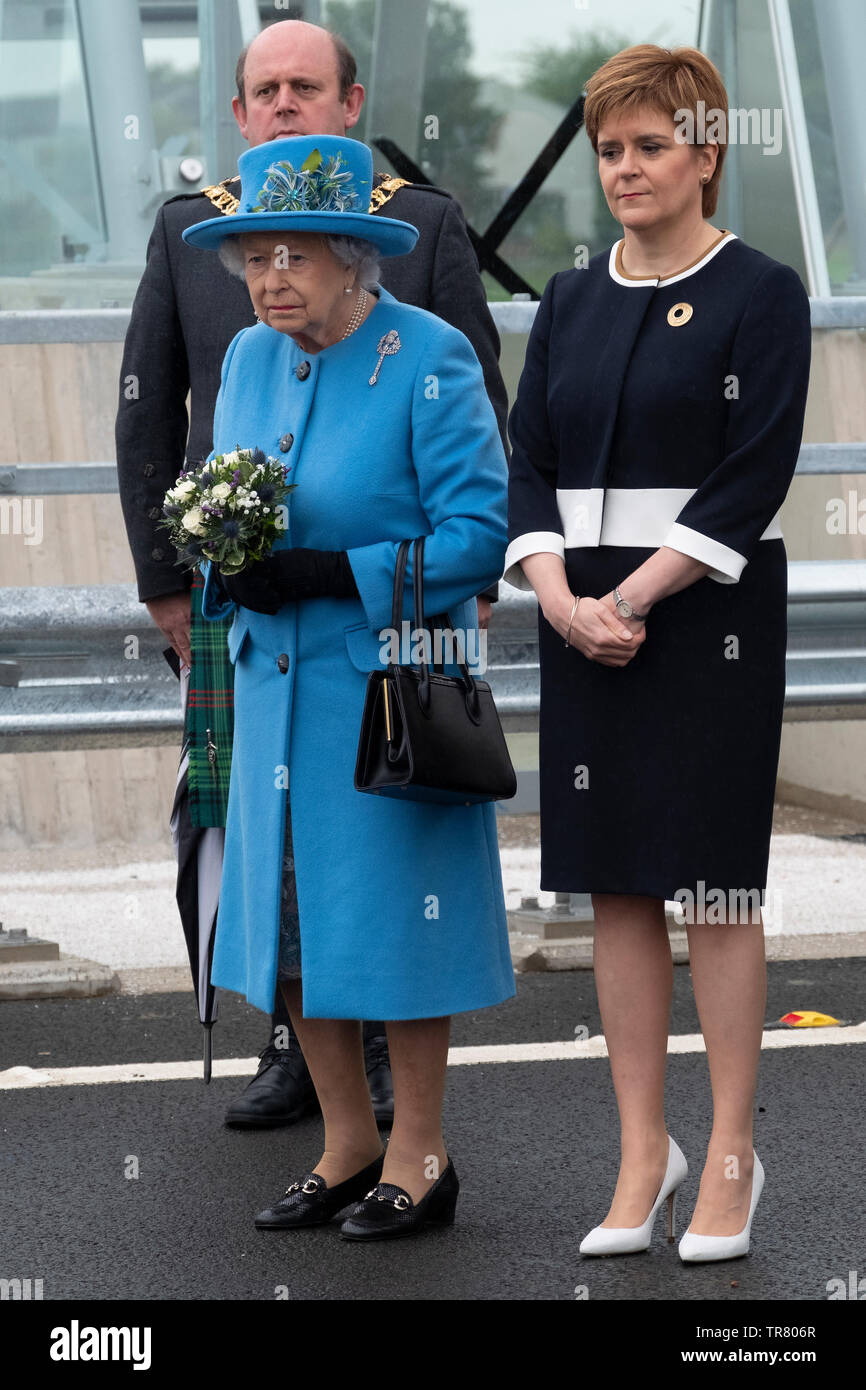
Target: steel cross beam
[486, 243]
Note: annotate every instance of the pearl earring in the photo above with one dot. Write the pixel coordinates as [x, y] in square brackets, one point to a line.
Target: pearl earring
[348, 289]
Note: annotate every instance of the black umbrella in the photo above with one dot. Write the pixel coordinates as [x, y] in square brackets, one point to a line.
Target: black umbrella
[199, 851]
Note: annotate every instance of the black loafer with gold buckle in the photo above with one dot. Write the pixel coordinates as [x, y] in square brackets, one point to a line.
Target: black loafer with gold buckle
[311, 1202]
[388, 1210]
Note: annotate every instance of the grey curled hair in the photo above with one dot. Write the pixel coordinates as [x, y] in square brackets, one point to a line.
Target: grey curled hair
[361, 255]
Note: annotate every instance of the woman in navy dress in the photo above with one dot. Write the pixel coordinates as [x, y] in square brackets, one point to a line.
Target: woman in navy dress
[655, 435]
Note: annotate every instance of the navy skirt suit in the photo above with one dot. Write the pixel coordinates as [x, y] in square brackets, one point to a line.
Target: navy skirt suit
[658, 412]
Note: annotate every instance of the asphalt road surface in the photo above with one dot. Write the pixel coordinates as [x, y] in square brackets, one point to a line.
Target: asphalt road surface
[534, 1144]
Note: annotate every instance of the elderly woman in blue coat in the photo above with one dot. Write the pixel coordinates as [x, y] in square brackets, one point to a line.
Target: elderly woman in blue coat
[400, 912]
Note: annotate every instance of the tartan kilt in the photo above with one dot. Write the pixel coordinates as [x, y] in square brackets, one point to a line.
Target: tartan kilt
[209, 717]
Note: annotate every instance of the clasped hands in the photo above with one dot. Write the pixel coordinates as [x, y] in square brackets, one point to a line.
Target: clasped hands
[597, 630]
[267, 584]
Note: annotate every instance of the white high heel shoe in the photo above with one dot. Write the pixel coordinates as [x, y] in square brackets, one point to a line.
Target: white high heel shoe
[627, 1240]
[695, 1248]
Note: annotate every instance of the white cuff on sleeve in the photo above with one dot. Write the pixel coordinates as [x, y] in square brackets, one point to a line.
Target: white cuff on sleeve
[727, 564]
[530, 543]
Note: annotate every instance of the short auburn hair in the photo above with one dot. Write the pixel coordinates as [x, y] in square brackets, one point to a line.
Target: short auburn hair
[668, 79]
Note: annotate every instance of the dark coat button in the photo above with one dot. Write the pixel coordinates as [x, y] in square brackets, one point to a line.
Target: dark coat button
[148, 470]
[283, 662]
[157, 554]
[286, 443]
[154, 513]
[302, 371]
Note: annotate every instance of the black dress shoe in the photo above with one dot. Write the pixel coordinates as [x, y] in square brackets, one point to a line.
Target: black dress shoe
[311, 1202]
[280, 1093]
[377, 1064]
[389, 1211]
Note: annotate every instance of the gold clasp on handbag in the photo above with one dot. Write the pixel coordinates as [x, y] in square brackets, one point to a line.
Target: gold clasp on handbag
[387, 710]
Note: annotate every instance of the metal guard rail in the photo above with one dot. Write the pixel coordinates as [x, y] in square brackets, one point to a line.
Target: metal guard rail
[77, 479]
[83, 667]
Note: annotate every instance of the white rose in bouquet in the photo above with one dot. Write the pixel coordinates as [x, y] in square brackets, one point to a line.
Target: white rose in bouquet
[228, 511]
[194, 521]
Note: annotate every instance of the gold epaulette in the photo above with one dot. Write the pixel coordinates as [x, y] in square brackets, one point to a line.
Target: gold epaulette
[227, 202]
[385, 191]
[221, 198]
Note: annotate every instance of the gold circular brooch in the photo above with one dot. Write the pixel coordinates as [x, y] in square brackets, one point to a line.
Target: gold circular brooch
[679, 314]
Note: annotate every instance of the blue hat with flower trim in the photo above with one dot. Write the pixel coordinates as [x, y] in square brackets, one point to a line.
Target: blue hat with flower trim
[307, 183]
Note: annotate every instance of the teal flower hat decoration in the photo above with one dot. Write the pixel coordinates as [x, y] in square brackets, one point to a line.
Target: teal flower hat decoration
[307, 183]
[320, 185]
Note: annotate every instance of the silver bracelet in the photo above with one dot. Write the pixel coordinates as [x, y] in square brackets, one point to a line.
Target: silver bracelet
[571, 620]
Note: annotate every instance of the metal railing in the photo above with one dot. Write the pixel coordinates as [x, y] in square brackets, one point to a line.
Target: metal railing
[74, 479]
[83, 667]
[510, 316]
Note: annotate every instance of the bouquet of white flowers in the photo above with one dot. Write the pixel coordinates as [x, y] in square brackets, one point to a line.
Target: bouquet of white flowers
[228, 511]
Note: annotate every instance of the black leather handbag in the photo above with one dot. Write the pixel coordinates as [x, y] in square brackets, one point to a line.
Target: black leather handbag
[426, 736]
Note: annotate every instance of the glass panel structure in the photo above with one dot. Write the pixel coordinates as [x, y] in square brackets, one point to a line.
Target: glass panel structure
[53, 214]
[107, 107]
[831, 45]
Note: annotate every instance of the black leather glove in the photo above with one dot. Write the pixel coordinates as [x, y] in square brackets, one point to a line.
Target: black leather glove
[291, 574]
[252, 589]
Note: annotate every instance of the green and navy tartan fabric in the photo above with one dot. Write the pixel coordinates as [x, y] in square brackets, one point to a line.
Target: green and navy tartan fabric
[209, 722]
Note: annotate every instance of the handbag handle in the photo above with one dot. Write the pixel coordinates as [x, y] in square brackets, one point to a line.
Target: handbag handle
[399, 580]
[472, 705]
[397, 600]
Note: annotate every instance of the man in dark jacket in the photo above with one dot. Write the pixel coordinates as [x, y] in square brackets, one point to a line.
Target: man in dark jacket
[293, 79]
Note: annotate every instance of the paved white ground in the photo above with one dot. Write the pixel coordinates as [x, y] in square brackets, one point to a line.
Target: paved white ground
[124, 914]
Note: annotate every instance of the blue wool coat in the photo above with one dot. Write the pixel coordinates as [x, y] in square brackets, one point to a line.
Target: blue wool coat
[401, 907]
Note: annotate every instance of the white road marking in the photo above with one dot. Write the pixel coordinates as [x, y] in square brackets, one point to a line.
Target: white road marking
[23, 1078]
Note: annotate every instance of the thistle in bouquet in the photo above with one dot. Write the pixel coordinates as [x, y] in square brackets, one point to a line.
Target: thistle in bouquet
[228, 511]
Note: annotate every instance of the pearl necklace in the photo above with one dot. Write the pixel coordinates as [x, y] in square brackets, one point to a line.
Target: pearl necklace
[357, 313]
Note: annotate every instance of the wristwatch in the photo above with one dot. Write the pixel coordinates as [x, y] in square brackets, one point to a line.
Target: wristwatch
[625, 610]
